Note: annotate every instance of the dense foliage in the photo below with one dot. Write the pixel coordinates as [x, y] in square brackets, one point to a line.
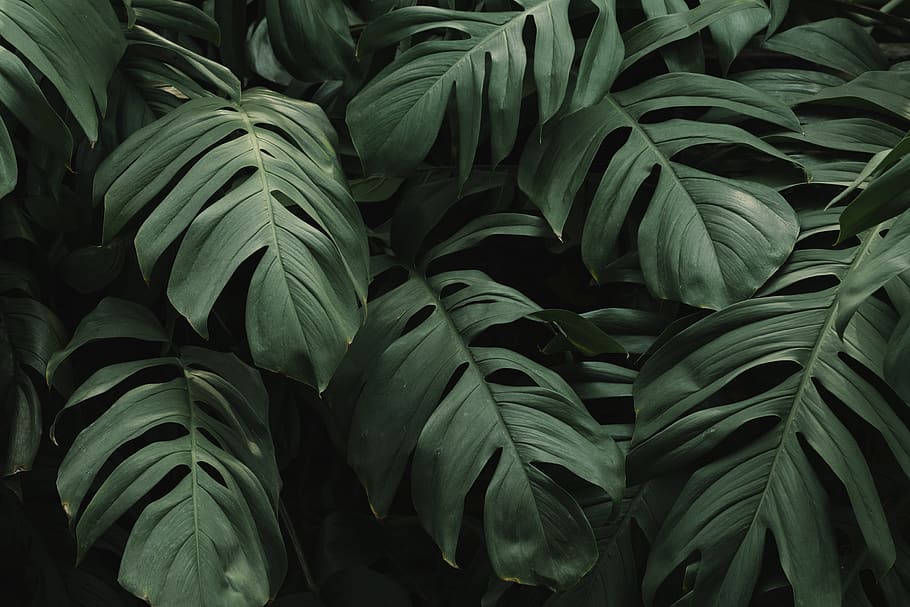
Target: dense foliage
[576, 303]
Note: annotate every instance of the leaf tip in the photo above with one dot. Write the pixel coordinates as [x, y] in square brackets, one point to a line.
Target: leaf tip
[450, 561]
[376, 513]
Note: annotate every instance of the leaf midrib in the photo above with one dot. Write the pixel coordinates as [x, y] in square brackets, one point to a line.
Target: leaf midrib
[665, 165]
[807, 375]
[194, 473]
[465, 349]
[267, 197]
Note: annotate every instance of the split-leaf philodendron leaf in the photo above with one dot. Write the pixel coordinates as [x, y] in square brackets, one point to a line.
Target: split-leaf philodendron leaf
[444, 303]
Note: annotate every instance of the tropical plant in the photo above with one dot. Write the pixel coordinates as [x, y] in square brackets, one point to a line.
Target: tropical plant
[563, 303]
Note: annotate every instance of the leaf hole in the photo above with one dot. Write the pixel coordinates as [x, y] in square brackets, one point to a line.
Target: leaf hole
[870, 441]
[452, 288]
[212, 472]
[418, 318]
[878, 384]
[757, 381]
[510, 377]
[772, 587]
[456, 376]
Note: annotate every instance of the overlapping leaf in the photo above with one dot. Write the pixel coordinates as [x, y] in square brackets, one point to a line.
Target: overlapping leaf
[672, 27]
[688, 405]
[44, 33]
[47, 34]
[174, 16]
[616, 578]
[885, 196]
[394, 120]
[213, 537]
[230, 176]
[731, 33]
[705, 240]
[29, 334]
[894, 586]
[422, 386]
[311, 39]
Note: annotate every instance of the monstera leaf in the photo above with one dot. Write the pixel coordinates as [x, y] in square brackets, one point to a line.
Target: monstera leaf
[705, 240]
[29, 334]
[423, 386]
[692, 395]
[394, 120]
[213, 537]
[258, 177]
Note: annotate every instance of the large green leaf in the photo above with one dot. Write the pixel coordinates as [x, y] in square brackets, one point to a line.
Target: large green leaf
[704, 240]
[212, 538]
[693, 395]
[394, 120]
[230, 176]
[420, 385]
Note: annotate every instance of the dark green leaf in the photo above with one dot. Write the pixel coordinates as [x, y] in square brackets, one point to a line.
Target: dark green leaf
[303, 299]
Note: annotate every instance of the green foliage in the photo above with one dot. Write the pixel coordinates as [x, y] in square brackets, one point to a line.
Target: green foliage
[562, 303]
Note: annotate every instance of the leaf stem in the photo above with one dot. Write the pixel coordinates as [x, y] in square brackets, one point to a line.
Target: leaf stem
[298, 549]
